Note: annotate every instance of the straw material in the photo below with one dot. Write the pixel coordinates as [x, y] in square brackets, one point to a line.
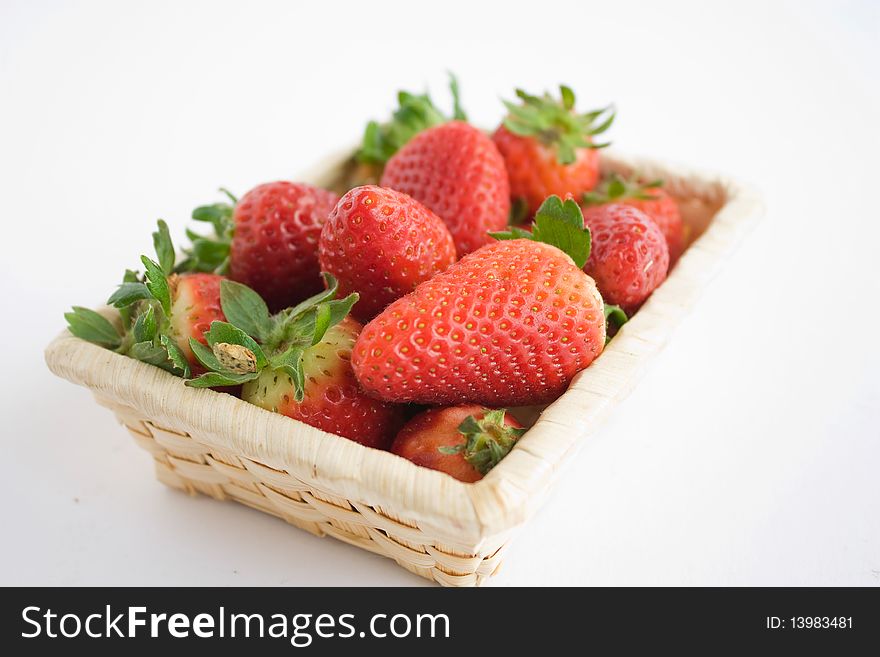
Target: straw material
[453, 533]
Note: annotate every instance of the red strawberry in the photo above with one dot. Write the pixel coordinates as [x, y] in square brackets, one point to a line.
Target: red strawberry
[629, 257]
[651, 199]
[297, 363]
[161, 312]
[456, 171]
[462, 441]
[268, 240]
[508, 325]
[548, 148]
[382, 244]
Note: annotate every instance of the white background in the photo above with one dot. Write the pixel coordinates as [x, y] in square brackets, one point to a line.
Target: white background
[750, 452]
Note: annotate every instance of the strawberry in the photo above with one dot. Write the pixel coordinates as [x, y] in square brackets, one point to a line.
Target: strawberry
[456, 171]
[651, 199]
[382, 244]
[195, 303]
[629, 257]
[548, 148]
[296, 363]
[161, 312]
[465, 442]
[268, 240]
[508, 325]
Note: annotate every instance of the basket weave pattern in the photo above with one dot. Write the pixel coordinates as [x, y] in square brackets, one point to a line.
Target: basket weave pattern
[453, 533]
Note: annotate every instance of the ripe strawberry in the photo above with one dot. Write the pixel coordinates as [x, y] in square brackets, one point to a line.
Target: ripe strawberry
[382, 244]
[296, 363]
[456, 171]
[629, 257]
[651, 199]
[508, 325]
[462, 441]
[548, 148]
[268, 240]
[160, 312]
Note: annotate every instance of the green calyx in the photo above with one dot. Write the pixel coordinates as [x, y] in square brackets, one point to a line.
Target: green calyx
[614, 319]
[415, 113]
[617, 188]
[559, 223]
[556, 124]
[144, 304]
[252, 340]
[487, 440]
[210, 253]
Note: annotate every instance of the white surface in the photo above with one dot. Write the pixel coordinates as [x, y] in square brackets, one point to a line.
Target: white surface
[750, 452]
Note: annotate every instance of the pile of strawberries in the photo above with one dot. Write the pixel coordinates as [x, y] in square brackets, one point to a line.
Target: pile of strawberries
[482, 272]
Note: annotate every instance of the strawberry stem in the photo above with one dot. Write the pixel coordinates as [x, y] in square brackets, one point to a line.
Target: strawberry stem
[488, 440]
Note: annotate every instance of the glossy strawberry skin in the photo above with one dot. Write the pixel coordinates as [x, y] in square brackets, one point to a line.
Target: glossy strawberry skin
[456, 171]
[333, 399]
[535, 172]
[381, 243]
[275, 244]
[422, 437]
[629, 257]
[508, 325]
[195, 303]
[663, 209]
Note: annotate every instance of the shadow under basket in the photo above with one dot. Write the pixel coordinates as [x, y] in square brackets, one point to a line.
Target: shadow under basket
[453, 533]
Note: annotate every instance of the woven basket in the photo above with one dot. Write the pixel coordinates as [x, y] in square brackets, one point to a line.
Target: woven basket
[453, 533]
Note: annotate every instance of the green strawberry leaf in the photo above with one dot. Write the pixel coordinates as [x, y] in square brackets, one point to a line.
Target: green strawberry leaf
[614, 319]
[560, 224]
[88, 325]
[125, 311]
[149, 352]
[338, 310]
[322, 322]
[245, 309]
[164, 247]
[617, 188]
[567, 96]
[291, 363]
[157, 284]
[515, 233]
[176, 356]
[487, 440]
[329, 292]
[145, 326]
[211, 254]
[415, 113]
[219, 215]
[204, 355]
[220, 379]
[458, 113]
[555, 124]
[128, 293]
[519, 212]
